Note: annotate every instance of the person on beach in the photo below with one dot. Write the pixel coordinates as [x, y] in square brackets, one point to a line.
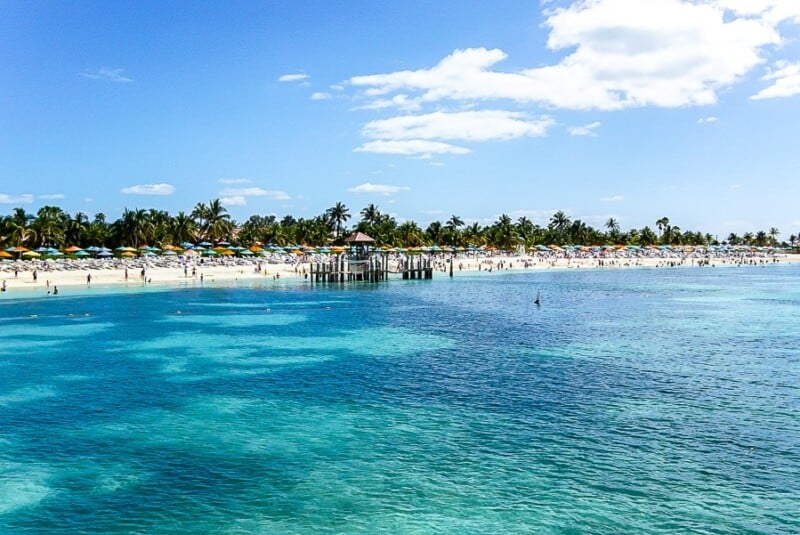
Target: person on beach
[55, 290]
[126, 274]
[88, 279]
[35, 275]
[3, 288]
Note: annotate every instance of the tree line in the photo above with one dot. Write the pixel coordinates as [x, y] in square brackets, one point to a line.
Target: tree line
[52, 226]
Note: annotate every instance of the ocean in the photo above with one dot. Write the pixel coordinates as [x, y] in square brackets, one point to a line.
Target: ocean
[629, 401]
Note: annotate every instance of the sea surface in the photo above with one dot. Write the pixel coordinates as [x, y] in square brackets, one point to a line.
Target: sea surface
[637, 401]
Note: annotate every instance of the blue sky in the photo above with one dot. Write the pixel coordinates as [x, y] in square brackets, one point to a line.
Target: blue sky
[633, 109]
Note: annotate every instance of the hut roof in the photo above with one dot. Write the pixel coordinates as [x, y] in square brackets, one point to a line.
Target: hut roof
[358, 237]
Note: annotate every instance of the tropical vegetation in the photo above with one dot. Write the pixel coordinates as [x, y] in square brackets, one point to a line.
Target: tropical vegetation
[51, 226]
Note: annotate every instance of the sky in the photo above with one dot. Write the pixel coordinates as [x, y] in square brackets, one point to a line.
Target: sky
[631, 109]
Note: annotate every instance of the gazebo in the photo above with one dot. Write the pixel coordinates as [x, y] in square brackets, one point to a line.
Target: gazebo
[360, 241]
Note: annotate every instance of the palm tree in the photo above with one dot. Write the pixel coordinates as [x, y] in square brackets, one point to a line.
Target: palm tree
[647, 236]
[613, 229]
[371, 215]
[98, 231]
[559, 222]
[434, 232]
[474, 235]
[49, 225]
[504, 233]
[747, 238]
[77, 228]
[183, 228]
[338, 214]
[773, 236]
[218, 222]
[134, 227]
[452, 226]
[200, 215]
[409, 234]
[19, 227]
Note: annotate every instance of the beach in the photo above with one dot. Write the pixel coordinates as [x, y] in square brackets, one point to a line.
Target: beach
[45, 276]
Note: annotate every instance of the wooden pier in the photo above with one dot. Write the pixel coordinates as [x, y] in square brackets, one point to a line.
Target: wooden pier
[371, 268]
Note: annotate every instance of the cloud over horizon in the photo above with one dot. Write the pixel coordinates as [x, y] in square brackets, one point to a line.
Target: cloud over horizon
[107, 74]
[149, 189]
[25, 198]
[381, 189]
[295, 77]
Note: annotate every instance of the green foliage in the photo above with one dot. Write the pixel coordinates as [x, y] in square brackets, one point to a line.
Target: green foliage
[51, 226]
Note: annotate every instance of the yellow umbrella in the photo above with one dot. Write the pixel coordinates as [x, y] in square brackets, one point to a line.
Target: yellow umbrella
[128, 254]
[4, 254]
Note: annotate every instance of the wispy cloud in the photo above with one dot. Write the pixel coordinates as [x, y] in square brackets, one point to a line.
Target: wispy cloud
[235, 200]
[412, 147]
[483, 125]
[25, 198]
[234, 180]
[107, 74]
[275, 195]
[785, 78]
[709, 119]
[296, 77]
[613, 198]
[381, 189]
[320, 95]
[585, 130]
[149, 189]
[51, 196]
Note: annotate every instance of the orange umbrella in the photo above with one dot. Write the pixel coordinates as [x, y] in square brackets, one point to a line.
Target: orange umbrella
[72, 249]
[128, 254]
[4, 254]
[21, 249]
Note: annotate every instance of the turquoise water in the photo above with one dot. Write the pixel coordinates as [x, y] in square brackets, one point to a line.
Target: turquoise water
[648, 401]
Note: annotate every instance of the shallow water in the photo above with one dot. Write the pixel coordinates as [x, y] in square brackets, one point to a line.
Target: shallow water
[642, 401]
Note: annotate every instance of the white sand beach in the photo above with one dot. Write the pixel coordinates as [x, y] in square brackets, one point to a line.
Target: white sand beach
[47, 276]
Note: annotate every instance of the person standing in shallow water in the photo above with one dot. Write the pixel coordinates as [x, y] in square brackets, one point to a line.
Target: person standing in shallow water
[88, 279]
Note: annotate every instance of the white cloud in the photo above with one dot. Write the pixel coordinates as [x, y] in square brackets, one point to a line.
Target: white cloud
[234, 180]
[613, 198]
[25, 198]
[88, 200]
[320, 95]
[149, 189]
[772, 12]
[276, 195]
[110, 75]
[585, 130]
[412, 147]
[337, 87]
[467, 126]
[382, 189]
[785, 80]
[709, 119]
[236, 200]
[51, 196]
[299, 77]
[401, 102]
[619, 54]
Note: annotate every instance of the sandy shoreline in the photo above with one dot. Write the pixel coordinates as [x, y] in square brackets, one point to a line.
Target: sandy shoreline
[48, 277]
